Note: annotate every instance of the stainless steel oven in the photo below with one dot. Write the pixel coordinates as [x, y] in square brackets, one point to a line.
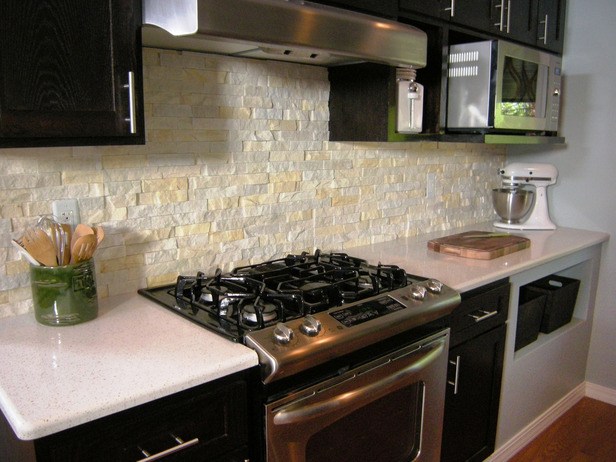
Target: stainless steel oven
[388, 410]
[352, 356]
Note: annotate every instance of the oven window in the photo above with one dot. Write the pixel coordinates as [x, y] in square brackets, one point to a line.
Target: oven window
[519, 88]
[386, 430]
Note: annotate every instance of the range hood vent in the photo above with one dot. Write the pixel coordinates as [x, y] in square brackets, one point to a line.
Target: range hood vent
[287, 30]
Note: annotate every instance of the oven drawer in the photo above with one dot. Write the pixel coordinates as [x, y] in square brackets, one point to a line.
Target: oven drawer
[481, 309]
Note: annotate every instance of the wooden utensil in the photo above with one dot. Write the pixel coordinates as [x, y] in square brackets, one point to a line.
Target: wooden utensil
[40, 246]
[24, 253]
[80, 230]
[68, 235]
[100, 235]
[83, 249]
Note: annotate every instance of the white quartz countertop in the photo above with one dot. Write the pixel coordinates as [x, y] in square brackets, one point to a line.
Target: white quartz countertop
[462, 274]
[54, 378]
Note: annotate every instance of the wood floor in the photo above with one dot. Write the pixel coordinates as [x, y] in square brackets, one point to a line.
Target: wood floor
[587, 432]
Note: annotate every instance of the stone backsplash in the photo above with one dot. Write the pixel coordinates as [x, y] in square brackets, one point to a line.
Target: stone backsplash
[236, 169]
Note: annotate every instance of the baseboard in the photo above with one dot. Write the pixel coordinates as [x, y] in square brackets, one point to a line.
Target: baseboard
[601, 393]
[533, 429]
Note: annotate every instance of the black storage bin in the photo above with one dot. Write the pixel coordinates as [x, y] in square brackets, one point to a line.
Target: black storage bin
[530, 314]
[561, 295]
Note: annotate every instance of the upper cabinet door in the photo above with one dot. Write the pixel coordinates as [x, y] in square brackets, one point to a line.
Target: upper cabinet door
[515, 20]
[476, 14]
[70, 72]
[428, 8]
[472, 13]
[551, 24]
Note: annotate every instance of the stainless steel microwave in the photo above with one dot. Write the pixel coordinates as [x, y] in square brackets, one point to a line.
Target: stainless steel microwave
[497, 86]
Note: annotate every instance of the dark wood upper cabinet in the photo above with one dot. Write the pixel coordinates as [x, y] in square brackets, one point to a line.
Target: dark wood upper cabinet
[537, 23]
[551, 25]
[70, 72]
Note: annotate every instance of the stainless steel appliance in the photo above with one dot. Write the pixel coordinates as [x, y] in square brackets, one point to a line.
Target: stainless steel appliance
[497, 86]
[287, 30]
[353, 356]
[518, 206]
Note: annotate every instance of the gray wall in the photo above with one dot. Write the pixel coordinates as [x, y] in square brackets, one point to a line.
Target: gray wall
[585, 196]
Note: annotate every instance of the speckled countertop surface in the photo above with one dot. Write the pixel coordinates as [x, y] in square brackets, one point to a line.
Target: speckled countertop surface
[464, 274]
[53, 378]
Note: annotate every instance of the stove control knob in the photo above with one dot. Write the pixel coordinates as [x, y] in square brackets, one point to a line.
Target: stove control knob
[310, 326]
[434, 286]
[418, 292]
[283, 334]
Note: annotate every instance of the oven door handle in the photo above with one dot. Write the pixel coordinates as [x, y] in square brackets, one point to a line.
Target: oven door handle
[297, 411]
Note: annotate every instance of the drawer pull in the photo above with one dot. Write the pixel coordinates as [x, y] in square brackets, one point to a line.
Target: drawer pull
[159, 455]
[483, 316]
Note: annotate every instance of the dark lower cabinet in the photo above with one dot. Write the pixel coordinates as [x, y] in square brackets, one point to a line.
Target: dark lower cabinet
[474, 374]
[471, 408]
[211, 422]
[70, 72]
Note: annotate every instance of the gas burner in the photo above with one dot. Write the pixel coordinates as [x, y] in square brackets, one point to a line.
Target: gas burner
[259, 312]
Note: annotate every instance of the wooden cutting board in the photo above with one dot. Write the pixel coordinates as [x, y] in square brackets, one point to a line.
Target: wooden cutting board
[480, 245]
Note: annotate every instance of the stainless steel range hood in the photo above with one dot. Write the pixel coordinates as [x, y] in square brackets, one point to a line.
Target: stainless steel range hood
[287, 30]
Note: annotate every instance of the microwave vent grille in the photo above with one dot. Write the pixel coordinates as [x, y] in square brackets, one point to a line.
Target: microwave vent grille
[460, 64]
[463, 71]
[464, 57]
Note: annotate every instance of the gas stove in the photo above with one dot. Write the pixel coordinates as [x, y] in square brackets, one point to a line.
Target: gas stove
[303, 310]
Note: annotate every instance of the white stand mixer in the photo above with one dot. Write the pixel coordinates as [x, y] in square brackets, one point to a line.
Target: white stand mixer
[518, 175]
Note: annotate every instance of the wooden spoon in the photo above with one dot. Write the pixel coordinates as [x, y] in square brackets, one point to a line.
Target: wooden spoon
[40, 246]
[80, 230]
[83, 249]
[100, 234]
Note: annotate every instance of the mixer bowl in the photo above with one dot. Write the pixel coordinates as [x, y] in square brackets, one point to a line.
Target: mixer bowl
[512, 204]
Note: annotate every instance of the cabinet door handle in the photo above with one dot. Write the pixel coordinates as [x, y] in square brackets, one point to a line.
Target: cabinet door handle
[484, 315]
[455, 363]
[501, 23]
[159, 455]
[545, 30]
[130, 86]
[452, 8]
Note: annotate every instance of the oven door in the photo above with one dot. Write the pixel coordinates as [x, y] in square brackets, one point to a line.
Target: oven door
[388, 410]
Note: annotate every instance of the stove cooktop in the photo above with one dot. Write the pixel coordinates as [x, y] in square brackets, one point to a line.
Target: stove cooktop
[257, 296]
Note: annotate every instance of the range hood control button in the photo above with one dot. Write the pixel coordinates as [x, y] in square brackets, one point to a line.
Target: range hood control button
[418, 292]
[283, 334]
[434, 286]
[310, 326]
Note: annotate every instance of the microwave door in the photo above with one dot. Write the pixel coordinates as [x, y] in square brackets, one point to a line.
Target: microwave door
[521, 94]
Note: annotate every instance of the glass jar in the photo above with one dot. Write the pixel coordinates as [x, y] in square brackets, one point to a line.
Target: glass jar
[64, 295]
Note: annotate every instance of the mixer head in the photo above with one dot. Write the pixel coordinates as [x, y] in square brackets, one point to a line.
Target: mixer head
[519, 174]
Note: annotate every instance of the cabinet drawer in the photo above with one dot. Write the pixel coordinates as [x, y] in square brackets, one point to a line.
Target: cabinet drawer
[480, 310]
[197, 425]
